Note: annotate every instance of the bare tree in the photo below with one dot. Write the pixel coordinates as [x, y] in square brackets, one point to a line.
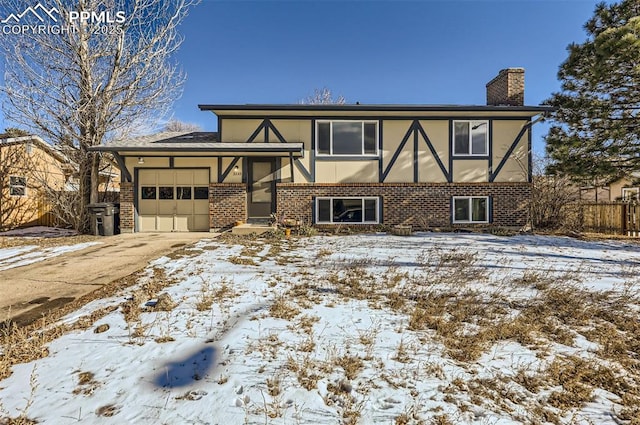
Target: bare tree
[13, 185]
[323, 96]
[13, 132]
[95, 79]
[551, 198]
[29, 172]
[174, 125]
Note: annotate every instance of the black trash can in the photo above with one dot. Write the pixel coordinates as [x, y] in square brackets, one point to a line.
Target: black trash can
[104, 218]
[116, 218]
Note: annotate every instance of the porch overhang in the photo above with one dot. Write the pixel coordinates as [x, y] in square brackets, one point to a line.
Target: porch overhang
[215, 149]
[198, 145]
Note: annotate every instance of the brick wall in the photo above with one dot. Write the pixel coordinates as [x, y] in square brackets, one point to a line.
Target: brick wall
[126, 207]
[507, 88]
[227, 204]
[421, 205]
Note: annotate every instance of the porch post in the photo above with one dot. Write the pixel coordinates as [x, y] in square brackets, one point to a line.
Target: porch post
[291, 165]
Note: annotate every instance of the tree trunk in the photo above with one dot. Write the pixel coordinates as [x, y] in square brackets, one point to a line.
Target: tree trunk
[89, 86]
[84, 177]
[95, 177]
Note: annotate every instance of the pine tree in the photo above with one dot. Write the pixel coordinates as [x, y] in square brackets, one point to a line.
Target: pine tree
[595, 134]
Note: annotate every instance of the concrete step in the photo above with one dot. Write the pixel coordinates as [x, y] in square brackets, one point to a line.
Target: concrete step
[249, 228]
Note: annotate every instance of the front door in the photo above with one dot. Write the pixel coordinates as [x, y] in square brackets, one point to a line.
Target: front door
[262, 187]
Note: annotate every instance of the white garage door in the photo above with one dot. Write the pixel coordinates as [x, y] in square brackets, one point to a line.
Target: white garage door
[175, 200]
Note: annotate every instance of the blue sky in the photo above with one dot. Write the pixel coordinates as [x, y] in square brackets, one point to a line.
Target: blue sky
[416, 52]
[422, 52]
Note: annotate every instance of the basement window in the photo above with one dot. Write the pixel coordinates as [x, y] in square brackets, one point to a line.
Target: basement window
[347, 138]
[470, 138]
[348, 210]
[17, 186]
[471, 209]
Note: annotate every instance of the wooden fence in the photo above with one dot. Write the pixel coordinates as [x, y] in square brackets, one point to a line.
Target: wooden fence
[613, 218]
[46, 215]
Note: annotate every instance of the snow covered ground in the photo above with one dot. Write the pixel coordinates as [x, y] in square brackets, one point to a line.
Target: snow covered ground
[28, 254]
[40, 232]
[27, 246]
[433, 328]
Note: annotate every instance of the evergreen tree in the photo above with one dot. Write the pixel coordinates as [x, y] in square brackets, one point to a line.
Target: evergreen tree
[595, 134]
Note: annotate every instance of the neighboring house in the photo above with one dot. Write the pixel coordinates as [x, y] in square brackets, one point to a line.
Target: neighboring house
[622, 189]
[108, 180]
[31, 171]
[433, 165]
[27, 165]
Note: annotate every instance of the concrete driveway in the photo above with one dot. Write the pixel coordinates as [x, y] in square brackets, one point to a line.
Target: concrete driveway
[32, 290]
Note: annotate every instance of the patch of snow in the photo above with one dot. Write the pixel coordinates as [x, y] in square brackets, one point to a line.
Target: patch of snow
[40, 232]
[236, 363]
[24, 255]
[8, 253]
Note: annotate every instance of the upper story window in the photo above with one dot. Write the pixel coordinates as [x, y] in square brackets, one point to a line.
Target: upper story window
[470, 138]
[17, 186]
[347, 138]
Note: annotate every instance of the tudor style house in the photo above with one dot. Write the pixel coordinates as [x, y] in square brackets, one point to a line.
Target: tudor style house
[424, 165]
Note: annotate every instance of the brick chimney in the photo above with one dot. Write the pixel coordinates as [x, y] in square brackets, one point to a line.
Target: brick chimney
[507, 88]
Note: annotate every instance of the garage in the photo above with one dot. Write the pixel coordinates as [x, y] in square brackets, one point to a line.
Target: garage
[173, 200]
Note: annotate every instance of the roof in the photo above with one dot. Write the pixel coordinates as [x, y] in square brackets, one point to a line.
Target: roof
[203, 142]
[54, 151]
[166, 140]
[51, 150]
[412, 108]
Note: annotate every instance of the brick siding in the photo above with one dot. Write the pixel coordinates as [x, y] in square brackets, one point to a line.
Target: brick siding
[227, 204]
[422, 205]
[507, 88]
[126, 207]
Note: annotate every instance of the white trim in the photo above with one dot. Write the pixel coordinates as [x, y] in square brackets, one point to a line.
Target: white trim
[361, 198]
[362, 153]
[470, 152]
[12, 186]
[470, 206]
[634, 191]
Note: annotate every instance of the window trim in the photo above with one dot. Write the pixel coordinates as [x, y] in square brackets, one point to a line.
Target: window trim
[362, 154]
[633, 191]
[470, 152]
[331, 198]
[12, 186]
[470, 207]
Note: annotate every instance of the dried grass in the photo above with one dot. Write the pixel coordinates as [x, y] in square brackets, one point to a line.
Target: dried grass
[26, 344]
[283, 309]
[86, 384]
[351, 365]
